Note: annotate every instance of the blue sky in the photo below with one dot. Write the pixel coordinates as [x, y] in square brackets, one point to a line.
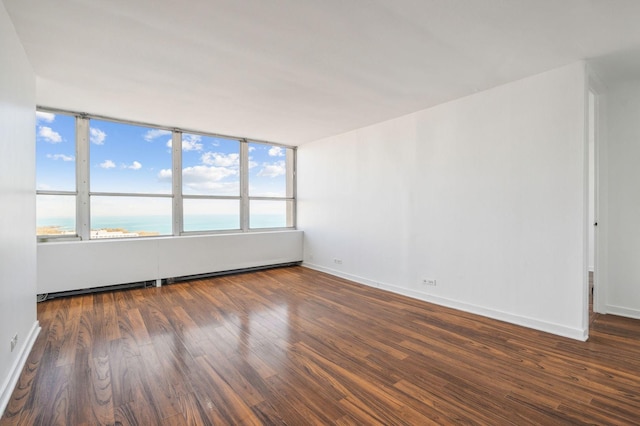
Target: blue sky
[127, 158]
[135, 159]
[55, 152]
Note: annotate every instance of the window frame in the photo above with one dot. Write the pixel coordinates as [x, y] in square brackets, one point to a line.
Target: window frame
[179, 188]
[63, 237]
[290, 190]
[83, 191]
[85, 142]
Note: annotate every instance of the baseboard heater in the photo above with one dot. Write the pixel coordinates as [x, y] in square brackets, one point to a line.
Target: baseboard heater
[228, 272]
[151, 283]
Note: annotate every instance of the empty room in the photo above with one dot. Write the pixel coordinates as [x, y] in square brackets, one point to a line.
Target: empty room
[319, 212]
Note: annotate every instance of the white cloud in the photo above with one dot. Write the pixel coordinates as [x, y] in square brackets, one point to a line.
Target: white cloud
[273, 169]
[60, 157]
[164, 174]
[252, 164]
[155, 133]
[128, 206]
[97, 136]
[218, 188]
[220, 160]
[189, 142]
[276, 151]
[134, 166]
[107, 164]
[272, 194]
[49, 134]
[206, 174]
[54, 207]
[204, 178]
[47, 117]
[252, 148]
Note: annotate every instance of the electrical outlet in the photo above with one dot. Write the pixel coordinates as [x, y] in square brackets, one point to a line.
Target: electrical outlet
[14, 342]
[428, 281]
[337, 261]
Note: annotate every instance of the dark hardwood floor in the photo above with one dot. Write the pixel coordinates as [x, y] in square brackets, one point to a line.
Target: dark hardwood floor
[294, 346]
[592, 314]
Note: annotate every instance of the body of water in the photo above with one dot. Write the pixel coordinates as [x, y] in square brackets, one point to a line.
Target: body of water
[162, 224]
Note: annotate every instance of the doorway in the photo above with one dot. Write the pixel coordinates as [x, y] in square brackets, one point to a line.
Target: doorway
[592, 220]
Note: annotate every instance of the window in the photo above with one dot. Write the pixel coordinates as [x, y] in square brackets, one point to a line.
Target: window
[130, 216]
[100, 178]
[129, 159]
[210, 183]
[56, 215]
[271, 195]
[211, 214]
[131, 186]
[55, 174]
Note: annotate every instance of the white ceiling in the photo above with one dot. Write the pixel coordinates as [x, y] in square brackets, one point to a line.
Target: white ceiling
[293, 71]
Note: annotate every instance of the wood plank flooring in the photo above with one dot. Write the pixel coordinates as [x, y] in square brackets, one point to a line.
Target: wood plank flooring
[294, 346]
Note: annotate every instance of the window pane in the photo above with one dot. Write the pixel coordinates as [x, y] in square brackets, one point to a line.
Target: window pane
[270, 214]
[55, 215]
[121, 217]
[210, 165]
[129, 159]
[211, 215]
[55, 152]
[268, 170]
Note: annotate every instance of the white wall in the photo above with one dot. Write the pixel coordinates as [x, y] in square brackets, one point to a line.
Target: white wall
[17, 206]
[619, 227]
[485, 194]
[74, 265]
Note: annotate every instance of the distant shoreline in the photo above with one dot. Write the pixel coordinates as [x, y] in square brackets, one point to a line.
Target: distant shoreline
[96, 233]
[52, 230]
[157, 225]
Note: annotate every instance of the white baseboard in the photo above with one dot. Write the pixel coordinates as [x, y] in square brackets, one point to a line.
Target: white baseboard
[548, 327]
[623, 312]
[14, 373]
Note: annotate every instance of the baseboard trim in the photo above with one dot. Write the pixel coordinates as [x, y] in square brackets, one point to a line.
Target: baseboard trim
[14, 373]
[547, 327]
[623, 312]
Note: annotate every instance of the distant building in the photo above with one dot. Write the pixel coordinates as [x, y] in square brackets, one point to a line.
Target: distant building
[102, 233]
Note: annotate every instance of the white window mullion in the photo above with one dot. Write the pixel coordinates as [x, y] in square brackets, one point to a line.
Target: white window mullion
[176, 175]
[244, 185]
[83, 212]
[291, 186]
